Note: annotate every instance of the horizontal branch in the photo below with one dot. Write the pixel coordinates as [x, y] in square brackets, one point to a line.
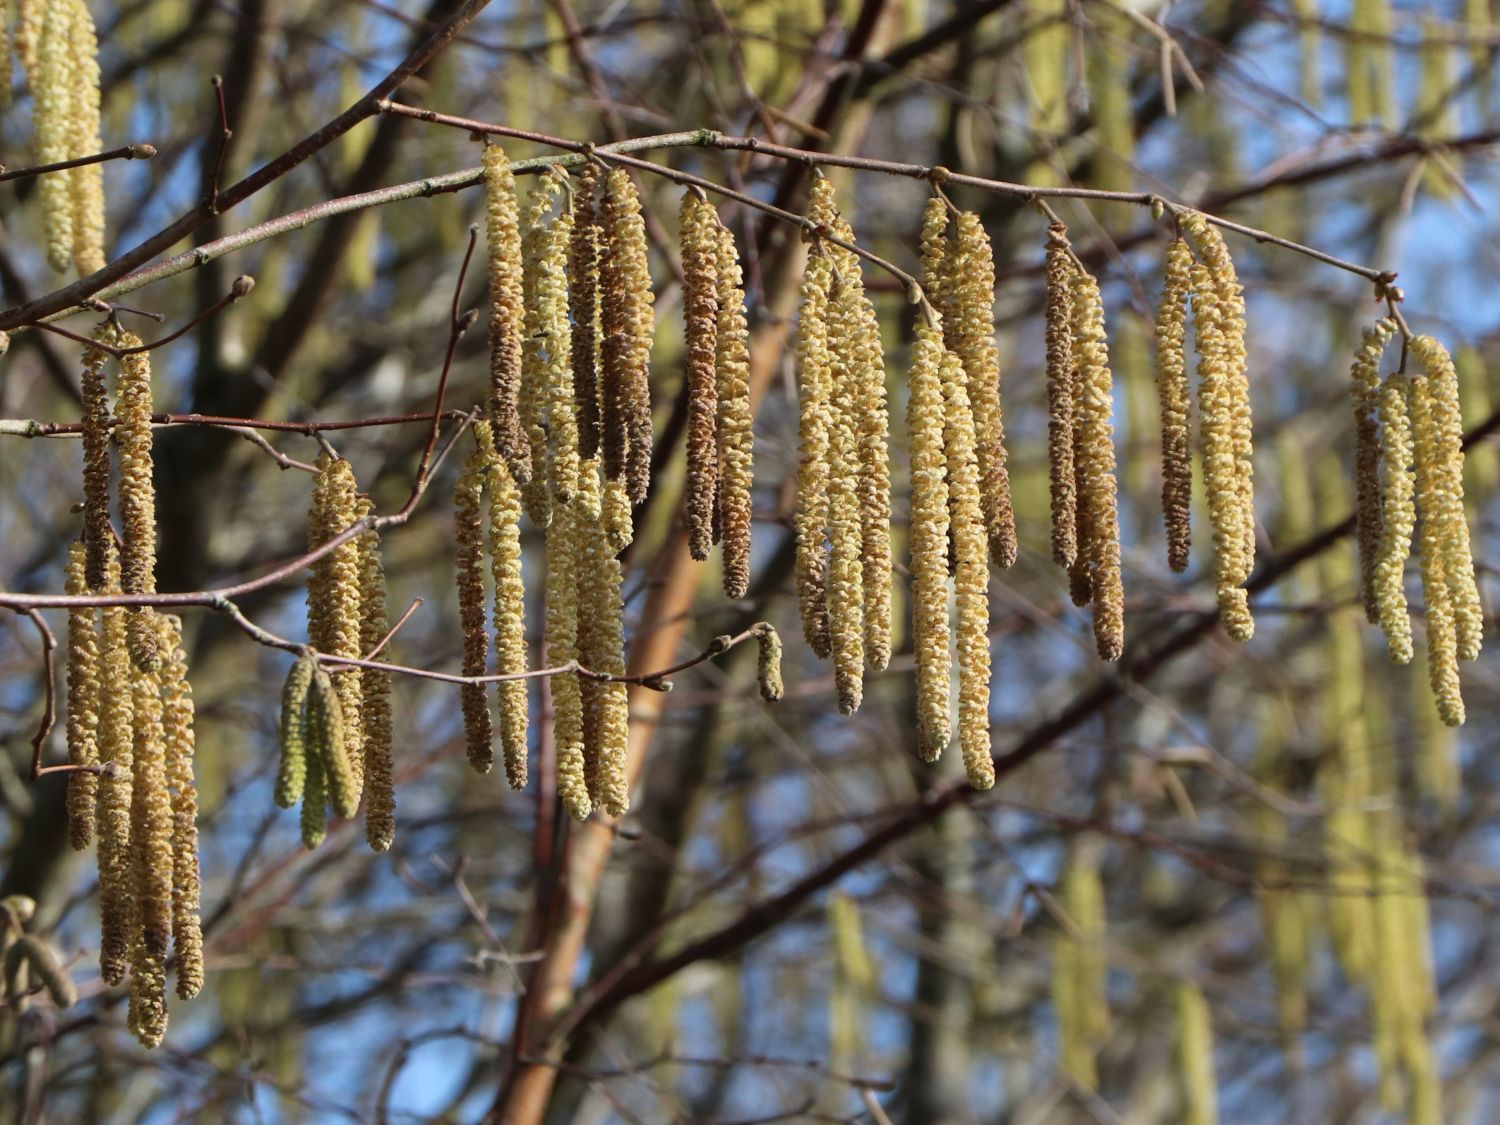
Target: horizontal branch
[124, 152]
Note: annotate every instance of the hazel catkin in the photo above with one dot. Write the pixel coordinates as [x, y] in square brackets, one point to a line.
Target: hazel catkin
[1442, 634]
[928, 540]
[1364, 395]
[1398, 518]
[509, 613]
[86, 182]
[503, 241]
[83, 707]
[601, 648]
[815, 418]
[375, 694]
[736, 423]
[151, 859]
[845, 576]
[540, 270]
[291, 773]
[53, 81]
[1060, 410]
[112, 817]
[177, 724]
[583, 299]
[1173, 394]
[468, 539]
[628, 324]
[562, 649]
[768, 662]
[327, 739]
[98, 536]
[700, 310]
[333, 597]
[137, 498]
[39, 959]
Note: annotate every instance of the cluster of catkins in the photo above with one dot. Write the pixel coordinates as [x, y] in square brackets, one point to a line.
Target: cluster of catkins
[56, 45]
[130, 713]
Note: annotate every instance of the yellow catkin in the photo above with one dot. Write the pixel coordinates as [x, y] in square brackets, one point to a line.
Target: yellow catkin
[768, 662]
[83, 707]
[628, 324]
[1094, 468]
[845, 578]
[973, 332]
[86, 184]
[1398, 518]
[468, 539]
[601, 648]
[328, 742]
[1447, 500]
[333, 602]
[583, 299]
[116, 752]
[1173, 394]
[928, 540]
[150, 821]
[535, 392]
[1195, 1056]
[971, 577]
[1060, 272]
[736, 426]
[1080, 970]
[700, 310]
[29, 16]
[42, 963]
[619, 520]
[98, 536]
[177, 723]
[1442, 633]
[375, 694]
[815, 367]
[557, 335]
[291, 772]
[137, 497]
[562, 649]
[509, 610]
[1364, 395]
[147, 1017]
[503, 239]
[53, 84]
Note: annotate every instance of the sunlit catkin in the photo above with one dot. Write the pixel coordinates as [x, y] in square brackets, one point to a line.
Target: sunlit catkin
[628, 324]
[1442, 633]
[53, 82]
[1060, 272]
[150, 819]
[137, 497]
[583, 299]
[1364, 395]
[147, 1015]
[509, 613]
[1398, 518]
[928, 540]
[291, 772]
[1173, 394]
[700, 309]
[177, 723]
[333, 597]
[1094, 468]
[601, 648]
[83, 707]
[328, 742]
[815, 417]
[845, 579]
[85, 183]
[112, 818]
[557, 336]
[736, 422]
[562, 650]
[468, 539]
[375, 694]
[768, 662]
[503, 239]
[98, 536]
[535, 393]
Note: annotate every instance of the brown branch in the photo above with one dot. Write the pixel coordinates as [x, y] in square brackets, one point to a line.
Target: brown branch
[49, 708]
[124, 152]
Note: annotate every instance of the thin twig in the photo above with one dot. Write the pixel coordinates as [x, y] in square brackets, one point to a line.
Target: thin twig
[124, 152]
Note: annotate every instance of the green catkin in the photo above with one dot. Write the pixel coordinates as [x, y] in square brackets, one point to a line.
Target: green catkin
[150, 821]
[700, 310]
[1173, 394]
[1364, 395]
[468, 538]
[815, 368]
[86, 183]
[291, 773]
[333, 604]
[845, 577]
[628, 324]
[601, 648]
[583, 299]
[54, 85]
[1398, 518]
[768, 662]
[98, 536]
[314, 795]
[562, 649]
[503, 239]
[1080, 970]
[509, 611]
[328, 734]
[1195, 1056]
[83, 707]
[112, 818]
[137, 498]
[928, 541]
[1060, 410]
[39, 958]
[1442, 633]
[177, 723]
[375, 694]
[736, 423]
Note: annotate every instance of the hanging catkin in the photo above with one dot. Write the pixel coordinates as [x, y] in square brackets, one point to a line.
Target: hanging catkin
[177, 724]
[328, 742]
[53, 81]
[700, 310]
[98, 536]
[815, 367]
[291, 773]
[628, 324]
[150, 821]
[503, 238]
[85, 183]
[1398, 518]
[112, 818]
[137, 498]
[31, 954]
[928, 540]
[557, 337]
[1442, 634]
[1060, 272]
[562, 649]
[768, 662]
[314, 819]
[845, 578]
[736, 424]
[1173, 393]
[583, 298]
[83, 707]
[1195, 1056]
[509, 611]
[601, 648]
[333, 597]
[468, 538]
[1080, 970]
[147, 1015]
[536, 389]
[375, 693]
[1364, 395]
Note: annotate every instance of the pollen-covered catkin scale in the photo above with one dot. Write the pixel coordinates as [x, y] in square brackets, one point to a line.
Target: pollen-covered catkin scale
[768, 662]
[601, 648]
[54, 86]
[736, 426]
[1398, 518]
[503, 239]
[583, 299]
[177, 723]
[928, 540]
[1174, 396]
[1060, 272]
[97, 533]
[83, 706]
[150, 819]
[333, 616]
[1364, 394]
[557, 334]
[1442, 636]
[86, 183]
[845, 579]
[375, 694]
[327, 729]
[628, 324]
[700, 308]
[468, 538]
[112, 818]
[137, 498]
[562, 649]
[291, 773]
[509, 611]
[815, 368]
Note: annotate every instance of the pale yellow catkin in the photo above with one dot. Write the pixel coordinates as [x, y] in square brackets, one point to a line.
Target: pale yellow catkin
[177, 724]
[557, 336]
[1059, 317]
[112, 817]
[928, 540]
[628, 326]
[147, 1015]
[503, 241]
[1398, 518]
[601, 648]
[468, 538]
[509, 614]
[1173, 393]
[137, 497]
[583, 299]
[768, 662]
[151, 859]
[535, 392]
[1442, 633]
[83, 706]
[736, 423]
[54, 86]
[86, 183]
[845, 578]
[375, 694]
[1364, 395]
[1080, 970]
[562, 650]
[333, 601]
[1195, 1056]
[700, 310]
[815, 369]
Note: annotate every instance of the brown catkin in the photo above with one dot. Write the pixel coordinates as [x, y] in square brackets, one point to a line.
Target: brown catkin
[177, 723]
[928, 540]
[1094, 465]
[700, 310]
[503, 238]
[328, 741]
[333, 597]
[583, 299]
[628, 324]
[768, 662]
[86, 183]
[112, 818]
[532, 401]
[601, 648]
[815, 367]
[1442, 635]
[1174, 396]
[137, 498]
[468, 538]
[1060, 272]
[375, 694]
[97, 534]
[1398, 518]
[291, 773]
[150, 819]
[736, 424]
[562, 649]
[147, 1016]
[83, 706]
[1364, 394]
[53, 82]
[509, 612]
